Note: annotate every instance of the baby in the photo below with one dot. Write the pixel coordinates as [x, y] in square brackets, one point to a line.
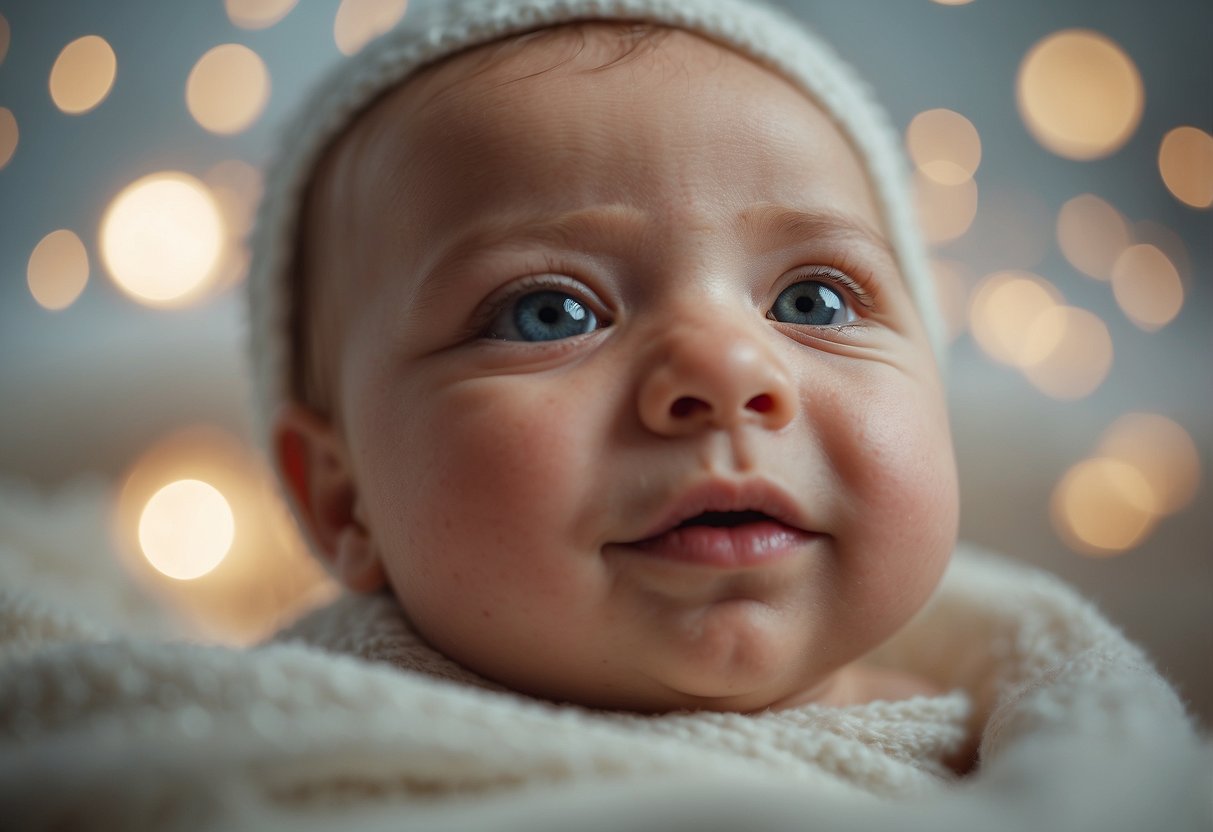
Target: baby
[594, 348]
[604, 363]
[597, 352]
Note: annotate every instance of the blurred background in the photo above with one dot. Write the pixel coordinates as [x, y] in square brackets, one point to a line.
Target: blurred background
[1064, 170]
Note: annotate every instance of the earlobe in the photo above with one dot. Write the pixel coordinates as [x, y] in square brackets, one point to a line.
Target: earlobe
[313, 463]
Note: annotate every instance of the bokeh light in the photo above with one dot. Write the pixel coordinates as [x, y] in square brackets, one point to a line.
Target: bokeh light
[58, 270]
[266, 573]
[257, 14]
[1162, 451]
[1004, 308]
[83, 74]
[358, 22]
[1066, 352]
[1185, 160]
[952, 284]
[1079, 94]
[227, 89]
[1147, 286]
[186, 529]
[4, 37]
[1103, 506]
[8, 135]
[161, 239]
[1091, 235]
[945, 211]
[944, 145]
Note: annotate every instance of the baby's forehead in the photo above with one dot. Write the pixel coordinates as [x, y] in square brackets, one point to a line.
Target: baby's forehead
[589, 92]
[490, 97]
[479, 79]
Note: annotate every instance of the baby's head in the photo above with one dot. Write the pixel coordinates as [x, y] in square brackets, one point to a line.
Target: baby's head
[603, 347]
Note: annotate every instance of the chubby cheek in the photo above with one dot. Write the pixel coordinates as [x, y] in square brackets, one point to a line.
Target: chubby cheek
[900, 472]
[473, 492]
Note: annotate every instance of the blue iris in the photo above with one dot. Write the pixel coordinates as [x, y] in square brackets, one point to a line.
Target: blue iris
[547, 316]
[810, 302]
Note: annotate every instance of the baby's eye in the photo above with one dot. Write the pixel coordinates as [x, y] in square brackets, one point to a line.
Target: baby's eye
[546, 315]
[811, 303]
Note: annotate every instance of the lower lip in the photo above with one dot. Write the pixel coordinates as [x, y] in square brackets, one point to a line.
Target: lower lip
[735, 547]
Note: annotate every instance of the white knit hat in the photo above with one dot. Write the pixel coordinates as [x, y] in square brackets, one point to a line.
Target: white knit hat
[438, 28]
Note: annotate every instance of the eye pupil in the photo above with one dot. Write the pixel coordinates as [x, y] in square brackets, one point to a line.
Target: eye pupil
[811, 303]
[543, 315]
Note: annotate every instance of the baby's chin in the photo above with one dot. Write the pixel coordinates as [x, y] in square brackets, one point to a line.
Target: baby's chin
[738, 655]
[731, 664]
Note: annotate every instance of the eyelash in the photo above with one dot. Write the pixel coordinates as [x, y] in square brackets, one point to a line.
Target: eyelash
[850, 275]
[839, 271]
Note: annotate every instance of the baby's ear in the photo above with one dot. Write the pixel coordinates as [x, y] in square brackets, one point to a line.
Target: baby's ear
[312, 460]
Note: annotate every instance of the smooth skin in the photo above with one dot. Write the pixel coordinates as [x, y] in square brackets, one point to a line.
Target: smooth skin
[500, 486]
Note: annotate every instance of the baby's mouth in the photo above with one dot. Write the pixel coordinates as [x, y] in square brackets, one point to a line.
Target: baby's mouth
[726, 540]
[723, 524]
[726, 519]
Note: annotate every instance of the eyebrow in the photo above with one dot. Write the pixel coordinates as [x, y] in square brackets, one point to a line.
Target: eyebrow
[766, 226]
[571, 230]
[790, 225]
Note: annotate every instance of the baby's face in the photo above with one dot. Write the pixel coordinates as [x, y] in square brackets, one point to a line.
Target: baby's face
[636, 408]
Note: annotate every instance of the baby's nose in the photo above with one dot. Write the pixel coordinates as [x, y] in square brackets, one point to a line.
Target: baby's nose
[705, 377]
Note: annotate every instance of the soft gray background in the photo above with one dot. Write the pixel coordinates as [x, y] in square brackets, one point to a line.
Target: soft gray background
[89, 388]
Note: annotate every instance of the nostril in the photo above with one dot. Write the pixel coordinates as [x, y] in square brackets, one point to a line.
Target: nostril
[686, 405]
[762, 403]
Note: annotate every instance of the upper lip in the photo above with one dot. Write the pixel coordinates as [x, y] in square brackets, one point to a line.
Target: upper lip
[725, 496]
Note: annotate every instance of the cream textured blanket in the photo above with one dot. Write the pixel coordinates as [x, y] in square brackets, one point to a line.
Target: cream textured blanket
[348, 719]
